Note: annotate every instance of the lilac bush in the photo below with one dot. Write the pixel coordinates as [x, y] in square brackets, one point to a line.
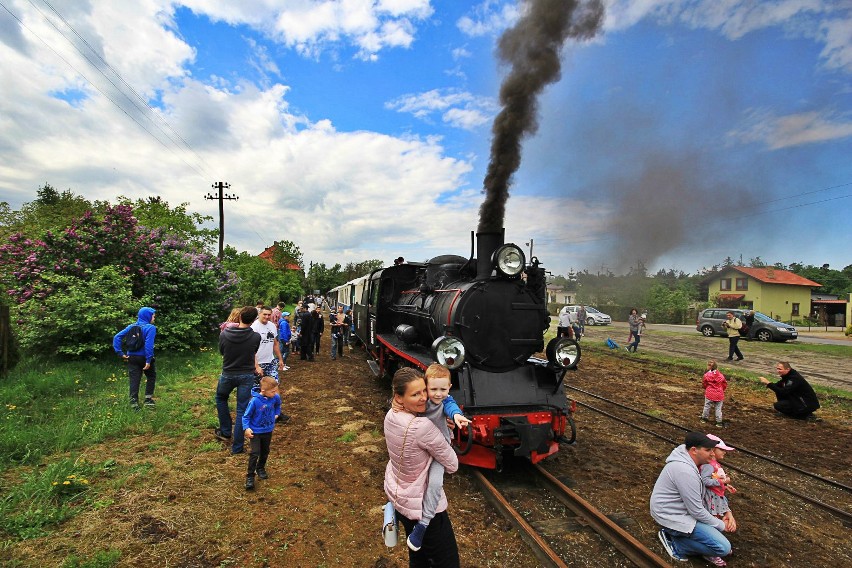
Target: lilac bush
[59, 278]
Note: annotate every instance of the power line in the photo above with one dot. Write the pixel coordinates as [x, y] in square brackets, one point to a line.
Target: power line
[101, 91]
[120, 78]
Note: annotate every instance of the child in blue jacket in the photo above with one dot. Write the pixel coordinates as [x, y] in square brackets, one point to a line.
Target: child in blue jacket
[258, 423]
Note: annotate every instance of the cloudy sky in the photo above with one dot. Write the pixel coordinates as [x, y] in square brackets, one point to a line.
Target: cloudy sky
[685, 131]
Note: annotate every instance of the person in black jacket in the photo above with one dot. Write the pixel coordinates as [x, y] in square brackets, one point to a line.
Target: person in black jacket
[306, 334]
[319, 327]
[796, 397]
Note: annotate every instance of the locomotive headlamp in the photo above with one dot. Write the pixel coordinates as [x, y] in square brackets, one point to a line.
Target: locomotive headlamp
[563, 352]
[509, 260]
[448, 351]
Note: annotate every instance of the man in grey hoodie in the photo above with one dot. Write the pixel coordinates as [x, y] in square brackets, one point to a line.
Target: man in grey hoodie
[676, 504]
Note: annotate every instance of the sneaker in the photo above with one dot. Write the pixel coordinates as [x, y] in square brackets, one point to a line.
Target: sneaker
[282, 419]
[719, 424]
[415, 539]
[738, 359]
[705, 419]
[667, 544]
[813, 418]
[149, 401]
[134, 405]
[250, 483]
[715, 560]
[222, 436]
[286, 368]
[261, 473]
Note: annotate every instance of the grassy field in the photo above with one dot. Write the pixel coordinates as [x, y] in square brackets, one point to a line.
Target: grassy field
[52, 410]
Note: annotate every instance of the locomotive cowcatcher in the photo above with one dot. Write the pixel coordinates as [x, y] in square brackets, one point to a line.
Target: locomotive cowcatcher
[484, 318]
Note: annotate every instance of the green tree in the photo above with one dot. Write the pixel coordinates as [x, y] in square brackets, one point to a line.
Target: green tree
[323, 278]
[286, 253]
[155, 213]
[354, 270]
[258, 279]
[51, 211]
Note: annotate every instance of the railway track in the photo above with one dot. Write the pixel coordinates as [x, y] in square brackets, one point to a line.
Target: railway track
[582, 510]
[762, 468]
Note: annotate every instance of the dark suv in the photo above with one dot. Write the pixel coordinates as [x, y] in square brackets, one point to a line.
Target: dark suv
[764, 329]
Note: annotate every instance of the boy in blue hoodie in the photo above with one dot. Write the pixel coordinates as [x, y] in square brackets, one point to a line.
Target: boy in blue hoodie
[258, 423]
[140, 360]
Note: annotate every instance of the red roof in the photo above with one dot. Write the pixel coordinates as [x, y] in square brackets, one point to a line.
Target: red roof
[270, 252]
[776, 276]
[828, 301]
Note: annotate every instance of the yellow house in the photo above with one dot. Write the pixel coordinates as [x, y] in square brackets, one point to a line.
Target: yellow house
[779, 294]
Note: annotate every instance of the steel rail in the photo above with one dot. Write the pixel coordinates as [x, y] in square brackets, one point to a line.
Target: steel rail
[631, 548]
[816, 476]
[539, 547]
[845, 516]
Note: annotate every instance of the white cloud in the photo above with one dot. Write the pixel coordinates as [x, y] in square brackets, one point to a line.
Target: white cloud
[778, 132]
[457, 108]
[825, 21]
[312, 27]
[489, 18]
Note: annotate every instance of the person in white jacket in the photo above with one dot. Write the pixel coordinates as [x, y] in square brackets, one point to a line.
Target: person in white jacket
[676, 504]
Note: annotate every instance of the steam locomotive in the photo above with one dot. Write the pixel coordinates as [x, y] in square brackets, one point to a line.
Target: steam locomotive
[484, 318]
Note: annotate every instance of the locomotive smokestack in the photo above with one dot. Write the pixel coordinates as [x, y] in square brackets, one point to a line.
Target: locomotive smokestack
[486, 244]
[532, 48]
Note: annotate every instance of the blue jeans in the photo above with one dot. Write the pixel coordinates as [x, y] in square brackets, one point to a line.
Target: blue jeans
[336, 340]
[704, 540]
[228, 383]
[285, 350]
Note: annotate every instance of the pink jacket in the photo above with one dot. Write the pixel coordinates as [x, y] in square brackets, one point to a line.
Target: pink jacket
[714, 386]
[413, 442]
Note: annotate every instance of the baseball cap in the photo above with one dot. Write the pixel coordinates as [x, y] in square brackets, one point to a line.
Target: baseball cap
[697, 439]
[721, 444]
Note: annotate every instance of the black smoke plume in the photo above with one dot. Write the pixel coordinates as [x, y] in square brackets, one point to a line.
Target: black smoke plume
[532, 49]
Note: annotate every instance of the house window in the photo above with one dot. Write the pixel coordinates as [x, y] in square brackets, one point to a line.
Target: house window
[742, 283]
[725, 284]
[795, 309]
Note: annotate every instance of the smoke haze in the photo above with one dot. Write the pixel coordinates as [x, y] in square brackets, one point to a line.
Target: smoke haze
[532, 49]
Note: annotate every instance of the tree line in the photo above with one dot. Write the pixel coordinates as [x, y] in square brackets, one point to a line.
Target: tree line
[73, 271]
[673, 295]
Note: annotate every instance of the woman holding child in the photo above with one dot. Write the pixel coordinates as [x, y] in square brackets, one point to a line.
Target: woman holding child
[412, 439]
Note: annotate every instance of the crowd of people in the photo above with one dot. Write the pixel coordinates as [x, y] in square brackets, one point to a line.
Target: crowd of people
[689, 499]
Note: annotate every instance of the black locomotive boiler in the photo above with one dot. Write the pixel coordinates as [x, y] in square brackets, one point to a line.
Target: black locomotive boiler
[485, 319]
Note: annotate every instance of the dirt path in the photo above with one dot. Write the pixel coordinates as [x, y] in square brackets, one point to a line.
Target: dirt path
[823, 369]
[177, 499]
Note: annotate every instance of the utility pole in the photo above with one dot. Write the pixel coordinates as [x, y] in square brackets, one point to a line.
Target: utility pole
[221, 186]
[530, 244]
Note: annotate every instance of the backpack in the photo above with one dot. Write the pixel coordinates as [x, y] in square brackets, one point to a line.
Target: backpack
[611, 344]
[133, 340]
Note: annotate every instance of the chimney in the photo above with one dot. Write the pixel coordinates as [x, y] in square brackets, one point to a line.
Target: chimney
[486, 244]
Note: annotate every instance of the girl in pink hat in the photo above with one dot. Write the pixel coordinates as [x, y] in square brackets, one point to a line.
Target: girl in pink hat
[717, 483]
[716, 480]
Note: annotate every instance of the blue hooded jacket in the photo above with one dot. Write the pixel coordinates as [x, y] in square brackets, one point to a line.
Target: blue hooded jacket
[261, 412]
[149, 332]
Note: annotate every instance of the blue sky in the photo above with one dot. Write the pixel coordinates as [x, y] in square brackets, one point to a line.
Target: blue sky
[685, 131]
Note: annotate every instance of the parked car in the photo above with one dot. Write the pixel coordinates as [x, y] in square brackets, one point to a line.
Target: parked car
[764, 329]
[593, 316]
